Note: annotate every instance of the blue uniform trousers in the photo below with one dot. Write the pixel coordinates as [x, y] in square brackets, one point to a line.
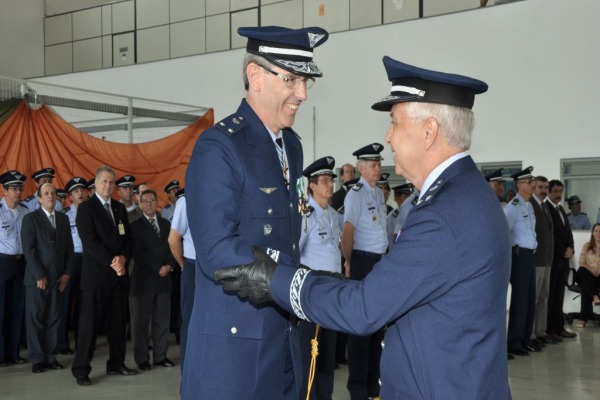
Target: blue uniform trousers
[522, 300]
[322, 387]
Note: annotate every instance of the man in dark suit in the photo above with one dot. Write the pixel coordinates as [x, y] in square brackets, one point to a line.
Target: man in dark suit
[346, 174]
[107, 246]
[151, 284]
[444, 305]
[563, 251]
[48, 250]
[242, 188]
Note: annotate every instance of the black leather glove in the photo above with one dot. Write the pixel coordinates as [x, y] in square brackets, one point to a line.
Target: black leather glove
[250, 280]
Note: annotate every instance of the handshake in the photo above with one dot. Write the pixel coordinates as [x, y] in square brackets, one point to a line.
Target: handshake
[253, 281]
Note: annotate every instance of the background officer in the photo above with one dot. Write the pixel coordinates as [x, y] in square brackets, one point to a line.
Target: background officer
[12, 267]
[364, 241]
[320, 250]
[346, 174]
[577, 218]
[384, 185]
[171, 190]
[401, 193]
[44, 175]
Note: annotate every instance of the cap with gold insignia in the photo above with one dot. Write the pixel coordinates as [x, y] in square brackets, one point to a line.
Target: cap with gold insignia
[180, 193]
[414, 84]
[76, 182]
[322, 166]
[495, 176]
[290, 49]
[405, 188]
[91, 184]
[369, 152]
[43, 172]
[12, 179]
[125, 181]
[524, 174]
[174, 184]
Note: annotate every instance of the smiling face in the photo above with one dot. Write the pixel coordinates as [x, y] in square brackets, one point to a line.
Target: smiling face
[274, 102]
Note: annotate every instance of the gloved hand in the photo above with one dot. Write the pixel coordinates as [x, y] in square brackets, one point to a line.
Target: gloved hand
[250, 280]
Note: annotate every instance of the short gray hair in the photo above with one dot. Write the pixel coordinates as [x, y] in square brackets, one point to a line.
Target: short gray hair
[250, 58]
[105, 168]
[456, 123]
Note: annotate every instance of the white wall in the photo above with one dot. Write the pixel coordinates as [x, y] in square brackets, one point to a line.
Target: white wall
[539, 57]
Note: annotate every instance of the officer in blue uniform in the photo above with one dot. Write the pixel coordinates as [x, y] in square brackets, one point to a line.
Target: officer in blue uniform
[76, 188]
[91, 187]
[442, 288]
[12, 267]
[577, 219]
[496, 181]
[171, 190]
[320, 250]
[521, 221]
[401, 193]
[44, 175]
[364, 241]
[257, 198]
[384, 185]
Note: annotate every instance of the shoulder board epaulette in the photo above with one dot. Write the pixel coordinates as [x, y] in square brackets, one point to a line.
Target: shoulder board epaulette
[357, 187]
[395, 213]
[415, 200]
[29, 198]
[515, 201]
[341, 210]
[65, 210]
[231, 124]
[23, 205]
[309, 211]
[294, 132]
[167, 206]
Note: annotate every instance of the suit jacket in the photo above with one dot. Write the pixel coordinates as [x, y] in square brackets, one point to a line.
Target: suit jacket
[544, 234]
[441, 290]
[102, 241]
[339, 195]
[563, 236]
[237, 198]
[48, 251]
[150, 253]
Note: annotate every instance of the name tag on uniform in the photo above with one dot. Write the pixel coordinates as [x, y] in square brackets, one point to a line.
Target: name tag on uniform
[121, 229]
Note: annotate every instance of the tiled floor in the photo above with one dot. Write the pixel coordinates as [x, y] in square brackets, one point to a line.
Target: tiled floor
[570, 370]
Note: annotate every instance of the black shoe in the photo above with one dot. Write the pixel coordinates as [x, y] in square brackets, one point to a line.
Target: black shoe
[145, 366]
[519, 352]
[122, 371]
[532, 349]
[538, 343]
[567, 335]
[66, 352]
[342, 361]
[511, 357]
[83, 380]
[4, 363]
[165, 363]
[37, 368]
[17, 360]
[54, 365]
[547, 340]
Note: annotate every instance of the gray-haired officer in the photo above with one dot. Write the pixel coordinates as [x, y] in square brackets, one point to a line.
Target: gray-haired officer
[76, 188]
[320, 250]
[401, 193]
[171, 190]
[12, 267]
[364, 241]
[496, 182]
[44, 175]
[577, 218]
[521, 221]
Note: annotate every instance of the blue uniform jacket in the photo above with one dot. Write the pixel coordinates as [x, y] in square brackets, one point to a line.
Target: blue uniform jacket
[441, 290]
[236, 198]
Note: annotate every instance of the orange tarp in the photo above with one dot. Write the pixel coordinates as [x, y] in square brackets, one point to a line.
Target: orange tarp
[33, 139]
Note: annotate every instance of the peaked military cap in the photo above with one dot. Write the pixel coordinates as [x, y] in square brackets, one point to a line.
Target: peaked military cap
[322, 166]
[369, 152]
[76, 182]
[406, 188]
[43, 172]
[414, 84]
[180, 193]
[524, 174]
[383, 179]
[12, 179]
[290, 49]
[573, 200]
[61, 193]
[495, 176]
[172, 185]
[136, 189]
[351, 183]
[91, 184]
[125, 181]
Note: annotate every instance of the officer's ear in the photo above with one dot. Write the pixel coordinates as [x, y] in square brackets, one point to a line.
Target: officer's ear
[432, 130]
[254, 73]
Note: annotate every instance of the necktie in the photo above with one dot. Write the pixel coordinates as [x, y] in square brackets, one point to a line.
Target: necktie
[51, 217]
[107, 207]
[153, 223]
[282, 161]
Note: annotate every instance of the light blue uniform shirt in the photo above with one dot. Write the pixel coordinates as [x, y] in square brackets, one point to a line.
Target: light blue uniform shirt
[71, 212]
[403, 211]
[320, 239]
[167, 212]
[10, 228]
[521, 221]
[365, 209]
[579, 221]
[180, 225]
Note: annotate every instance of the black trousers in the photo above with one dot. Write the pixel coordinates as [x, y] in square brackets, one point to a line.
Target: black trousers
[42, 318]
[12, 305]
[364, 352]
[71, 305]
[102, 307]
[322, 387]
[522, 299]
[556, 297]
[590, 286]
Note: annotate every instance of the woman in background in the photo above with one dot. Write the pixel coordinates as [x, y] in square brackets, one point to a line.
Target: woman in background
[589, 275]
